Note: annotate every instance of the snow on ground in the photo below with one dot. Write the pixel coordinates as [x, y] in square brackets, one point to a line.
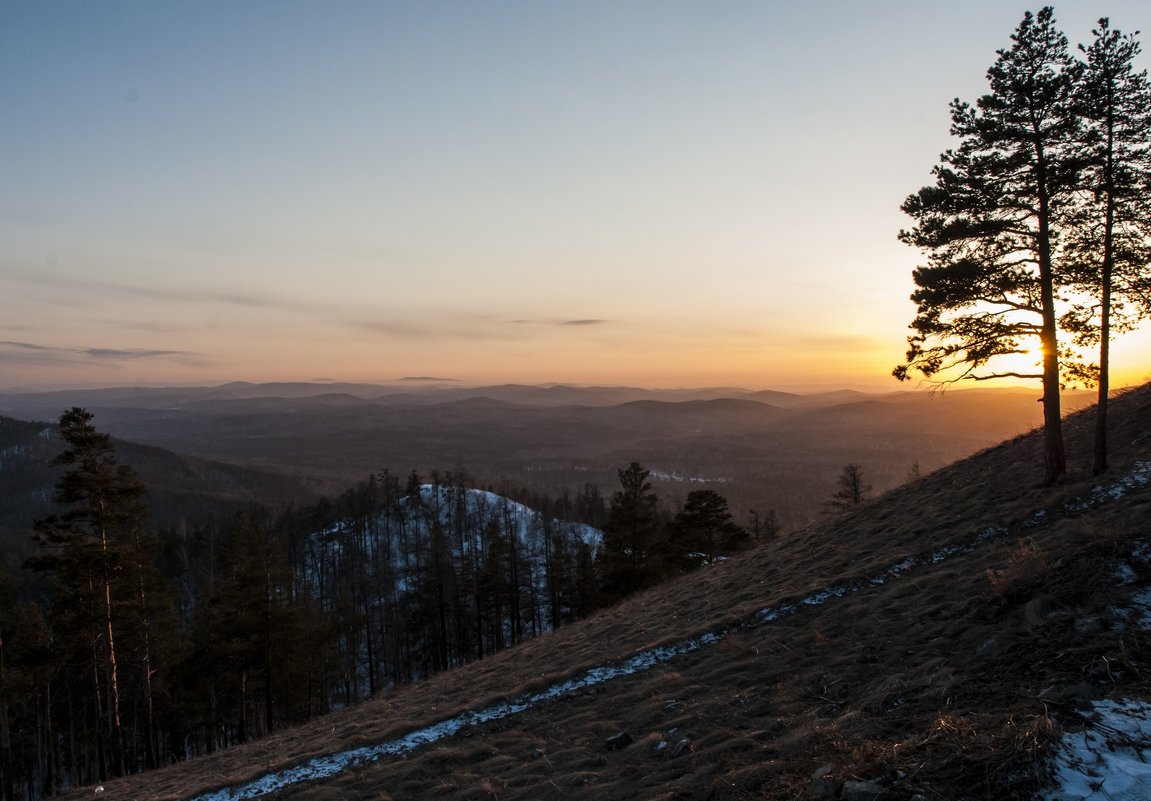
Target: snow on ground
[675, 475]
[331, 764]
[1110, 760]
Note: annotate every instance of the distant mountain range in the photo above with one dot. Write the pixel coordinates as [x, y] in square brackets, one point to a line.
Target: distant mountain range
[769, 450]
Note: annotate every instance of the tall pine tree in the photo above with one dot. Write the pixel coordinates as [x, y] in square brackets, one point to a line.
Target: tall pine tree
[990, 222]
[1110, 246]
[89, 549]
[633, 535]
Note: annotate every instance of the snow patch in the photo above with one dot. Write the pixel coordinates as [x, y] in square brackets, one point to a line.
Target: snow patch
[1138, 478]
[325, 766]
[1140, 607]
[1109, 759]
[663, 475]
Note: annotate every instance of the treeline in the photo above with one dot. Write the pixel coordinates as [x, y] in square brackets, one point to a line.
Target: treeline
[159, 645]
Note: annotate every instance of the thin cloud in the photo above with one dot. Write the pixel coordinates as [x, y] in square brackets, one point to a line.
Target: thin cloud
[580, 322]
[400, 329]
[451, 328]
[27, 346]
[34, 353]
[245, 300]
[141, 353]
[148, 326]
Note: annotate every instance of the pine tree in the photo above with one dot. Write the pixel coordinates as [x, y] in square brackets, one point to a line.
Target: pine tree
[990, 224]
[89, 548]
[1110, 246]
[633, 534]
[704, 528]
[852, 490]
[27, 739]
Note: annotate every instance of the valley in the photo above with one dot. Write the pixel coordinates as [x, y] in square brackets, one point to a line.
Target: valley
[765, 451]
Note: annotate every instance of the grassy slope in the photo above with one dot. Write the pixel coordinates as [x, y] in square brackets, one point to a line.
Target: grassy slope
[948, 682]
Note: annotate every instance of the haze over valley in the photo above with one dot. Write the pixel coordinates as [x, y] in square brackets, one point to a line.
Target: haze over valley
[767, 451]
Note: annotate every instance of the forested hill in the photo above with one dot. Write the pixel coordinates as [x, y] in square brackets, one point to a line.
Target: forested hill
[937, 643]
[181, 489]
[126, 645]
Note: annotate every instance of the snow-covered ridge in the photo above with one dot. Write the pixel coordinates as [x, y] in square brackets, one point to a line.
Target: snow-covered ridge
[448, 505]
[443, 553]
[1135, 724]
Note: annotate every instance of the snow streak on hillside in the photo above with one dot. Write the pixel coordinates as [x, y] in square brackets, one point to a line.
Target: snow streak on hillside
[1111, 716]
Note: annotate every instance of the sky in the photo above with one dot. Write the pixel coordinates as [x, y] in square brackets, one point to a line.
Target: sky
[642, 192]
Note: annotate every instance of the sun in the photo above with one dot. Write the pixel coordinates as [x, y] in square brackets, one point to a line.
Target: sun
[1019, 366]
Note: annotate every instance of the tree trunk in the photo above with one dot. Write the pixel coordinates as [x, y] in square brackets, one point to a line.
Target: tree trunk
[151, 751]
[5, 737]
[1054, 458]
[1100, 463]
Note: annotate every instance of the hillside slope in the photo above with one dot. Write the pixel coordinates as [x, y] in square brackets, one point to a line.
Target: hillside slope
[936, 644]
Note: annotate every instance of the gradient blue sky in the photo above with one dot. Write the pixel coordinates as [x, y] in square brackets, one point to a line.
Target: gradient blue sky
[654, 193]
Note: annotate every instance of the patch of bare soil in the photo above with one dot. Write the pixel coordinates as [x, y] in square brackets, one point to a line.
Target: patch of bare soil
[950, 681]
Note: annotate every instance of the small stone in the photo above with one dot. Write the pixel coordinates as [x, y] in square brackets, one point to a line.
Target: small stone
[1073, 695]
[618, 741]
[824, 783]
[681, 748]
[860, 791]
[537, 753]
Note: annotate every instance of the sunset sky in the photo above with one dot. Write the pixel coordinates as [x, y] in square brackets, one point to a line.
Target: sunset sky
[644, 192]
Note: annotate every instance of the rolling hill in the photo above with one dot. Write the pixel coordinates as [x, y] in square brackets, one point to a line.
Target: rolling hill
[764, 450]
[938, 643]
[181, 490]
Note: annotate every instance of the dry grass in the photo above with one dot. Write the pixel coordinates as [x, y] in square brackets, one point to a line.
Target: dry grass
[948, 682]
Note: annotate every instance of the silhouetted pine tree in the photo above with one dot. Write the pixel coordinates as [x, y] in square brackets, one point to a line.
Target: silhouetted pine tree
[633, 535]
[1110, 243]
[93, 549]
[852, 490]
[990, 224]
[704, 529]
